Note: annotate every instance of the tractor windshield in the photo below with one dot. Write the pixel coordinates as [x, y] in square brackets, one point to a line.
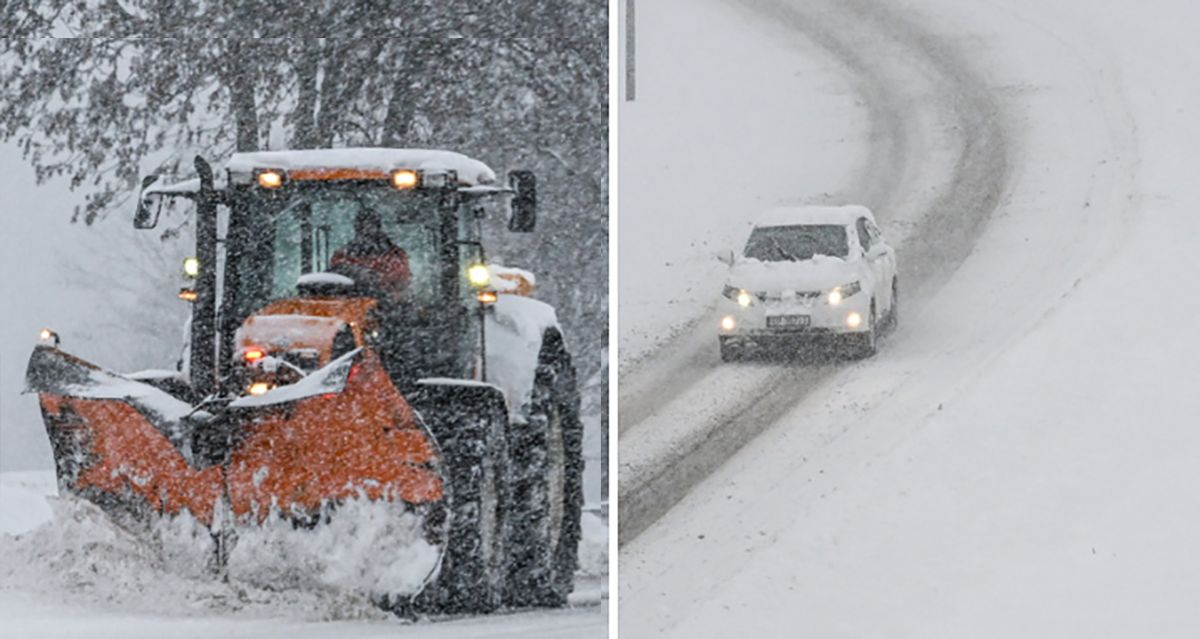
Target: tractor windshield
[395, 244]
[361, 236]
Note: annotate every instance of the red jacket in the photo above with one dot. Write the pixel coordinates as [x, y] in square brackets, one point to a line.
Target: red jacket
[391, 264]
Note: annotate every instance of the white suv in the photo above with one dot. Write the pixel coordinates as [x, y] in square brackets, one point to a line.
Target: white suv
[806, 274]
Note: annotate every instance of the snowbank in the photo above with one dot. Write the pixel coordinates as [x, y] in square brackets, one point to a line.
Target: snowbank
[23, 500]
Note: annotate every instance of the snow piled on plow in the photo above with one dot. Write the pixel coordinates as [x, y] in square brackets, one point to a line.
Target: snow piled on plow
[67, 550]
[373, 547]
[80, 556]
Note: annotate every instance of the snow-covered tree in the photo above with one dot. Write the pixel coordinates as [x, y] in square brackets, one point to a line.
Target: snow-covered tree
[142, 86]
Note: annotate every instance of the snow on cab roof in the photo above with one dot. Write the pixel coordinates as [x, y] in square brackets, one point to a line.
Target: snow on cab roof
[796, 215]
[471, 172]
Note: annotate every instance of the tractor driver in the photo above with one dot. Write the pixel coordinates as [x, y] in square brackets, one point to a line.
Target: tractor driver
[380, 269]
[373, 260]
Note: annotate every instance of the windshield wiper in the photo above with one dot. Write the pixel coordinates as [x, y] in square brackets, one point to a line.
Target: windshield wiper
[783, 255]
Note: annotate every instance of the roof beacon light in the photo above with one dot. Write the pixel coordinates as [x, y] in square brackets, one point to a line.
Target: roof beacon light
[439, 180]
[479, 275]
[191, 267]
[405, 179]
[48, 337]
[253, 354]
[270, 178]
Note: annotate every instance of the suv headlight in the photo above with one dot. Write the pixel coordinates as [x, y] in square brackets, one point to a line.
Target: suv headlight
[739, 295]
[840, 293]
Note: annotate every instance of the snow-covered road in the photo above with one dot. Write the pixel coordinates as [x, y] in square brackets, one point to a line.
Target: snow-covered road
[1019, 460]
[931, 159]
[27, 616]
[67, 571]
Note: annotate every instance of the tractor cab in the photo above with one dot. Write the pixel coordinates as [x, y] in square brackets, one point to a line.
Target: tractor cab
[303, 256]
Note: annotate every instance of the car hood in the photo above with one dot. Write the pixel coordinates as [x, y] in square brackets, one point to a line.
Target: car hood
[818, 274]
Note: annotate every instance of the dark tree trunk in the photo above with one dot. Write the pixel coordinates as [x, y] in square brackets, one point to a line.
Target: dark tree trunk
[305, 135]
[239, 79]
[328, 115]
[406, 88]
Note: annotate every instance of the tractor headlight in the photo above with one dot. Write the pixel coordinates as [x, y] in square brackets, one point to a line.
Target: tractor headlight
[840, 293]
[740, 295]
[191, 267]
[479, 275]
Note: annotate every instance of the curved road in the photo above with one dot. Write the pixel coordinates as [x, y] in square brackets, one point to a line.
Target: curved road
[937, 168]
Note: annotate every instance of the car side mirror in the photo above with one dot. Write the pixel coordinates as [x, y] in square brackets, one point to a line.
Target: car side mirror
[725, 257]
[877, 251]
[149, 206]
[524, 201]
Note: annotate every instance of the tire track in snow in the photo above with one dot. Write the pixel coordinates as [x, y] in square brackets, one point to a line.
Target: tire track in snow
[950, 196]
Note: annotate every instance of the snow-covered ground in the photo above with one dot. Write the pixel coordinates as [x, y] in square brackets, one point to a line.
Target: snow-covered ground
[67, 571]
[1019, 459]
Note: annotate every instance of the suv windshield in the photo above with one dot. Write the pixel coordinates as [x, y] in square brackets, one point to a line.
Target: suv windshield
[795, 243]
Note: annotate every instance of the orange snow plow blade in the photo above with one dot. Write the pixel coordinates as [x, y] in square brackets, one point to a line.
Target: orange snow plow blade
[343, 433]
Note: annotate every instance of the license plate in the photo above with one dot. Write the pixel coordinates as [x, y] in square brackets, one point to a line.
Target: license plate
[788, 321]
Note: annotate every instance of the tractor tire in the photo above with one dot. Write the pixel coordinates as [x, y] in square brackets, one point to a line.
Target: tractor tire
[470, 431]
[546, 458]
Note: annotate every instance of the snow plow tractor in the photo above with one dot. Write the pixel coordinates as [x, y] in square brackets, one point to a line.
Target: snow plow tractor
[364, 401]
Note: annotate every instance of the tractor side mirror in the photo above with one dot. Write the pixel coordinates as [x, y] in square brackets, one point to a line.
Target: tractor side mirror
[149, 206]
[524, 201]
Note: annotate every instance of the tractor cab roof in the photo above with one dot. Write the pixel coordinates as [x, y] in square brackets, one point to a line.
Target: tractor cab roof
[347, 163]
[470, 172]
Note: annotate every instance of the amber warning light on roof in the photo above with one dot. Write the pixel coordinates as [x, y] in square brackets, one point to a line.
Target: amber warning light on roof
[405, 179]
[270, 178]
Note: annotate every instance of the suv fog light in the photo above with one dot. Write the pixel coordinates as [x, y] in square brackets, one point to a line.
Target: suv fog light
[728, 323]
[854, 320]
[743, 299]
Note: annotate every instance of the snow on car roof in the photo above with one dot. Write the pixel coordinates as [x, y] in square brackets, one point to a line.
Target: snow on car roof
[471, 172]
[796, 215]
